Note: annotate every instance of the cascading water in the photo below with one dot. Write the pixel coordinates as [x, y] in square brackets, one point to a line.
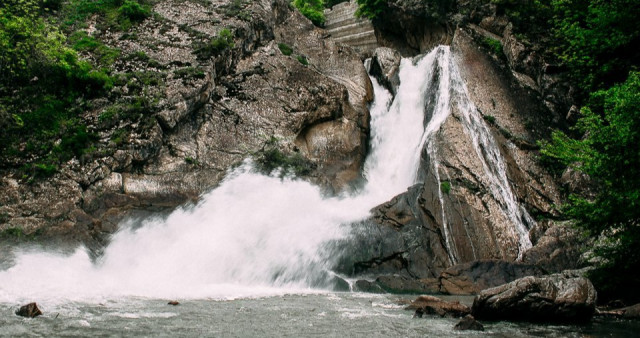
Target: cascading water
[255, 234]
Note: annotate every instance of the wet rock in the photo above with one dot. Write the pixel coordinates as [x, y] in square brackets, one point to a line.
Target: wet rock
[403, 284]
[367, 286]
[30, 310]
[471, 278]
[468, 322]
[557, 298]
[385, 67]
[432, 305]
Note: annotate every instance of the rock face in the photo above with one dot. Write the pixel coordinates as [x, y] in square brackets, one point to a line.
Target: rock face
[471, 278]
[557, 298]
[30, 310]
[456, 214]
[201, 114]
[385, 65]
[412, 26]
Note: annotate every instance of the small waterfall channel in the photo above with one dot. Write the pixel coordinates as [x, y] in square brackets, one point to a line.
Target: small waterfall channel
[259, 235]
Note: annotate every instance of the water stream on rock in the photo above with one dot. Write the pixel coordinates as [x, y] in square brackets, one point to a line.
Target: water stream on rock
[252, 257]
[253, 235]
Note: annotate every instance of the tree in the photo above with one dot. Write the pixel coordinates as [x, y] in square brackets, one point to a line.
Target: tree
[598, 40]
[609, 152]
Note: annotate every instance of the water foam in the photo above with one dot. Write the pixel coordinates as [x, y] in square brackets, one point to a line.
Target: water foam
[254, 235]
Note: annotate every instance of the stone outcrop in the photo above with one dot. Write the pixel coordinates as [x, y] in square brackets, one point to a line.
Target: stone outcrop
[456, 215]
[557, 298]
[30, 310]
[412, 26]
[431, 305]
[471, 278]
[468, 322]
[344, 27]
[385, 67]
[200, 113]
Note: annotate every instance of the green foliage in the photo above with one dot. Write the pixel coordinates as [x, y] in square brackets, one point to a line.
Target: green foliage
[42, 82]
[303, 60]
[189, 73]
[114, 14]
[312, 9]
[236, 8]
[598, 40]
[216, 45]
[191, 160]
[133, 11]
[609, 153]
[445, 187]
[15, 233]
[489, 118]
[271, 159]
[82, 42]
[495, 46]
[285, 49]
[371, 8]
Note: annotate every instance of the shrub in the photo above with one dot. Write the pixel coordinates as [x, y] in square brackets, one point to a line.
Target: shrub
[445, 187]
[312, 9]
[303, 60]
[216, 45]
[285, 49]
[133, 11]
[495, 46]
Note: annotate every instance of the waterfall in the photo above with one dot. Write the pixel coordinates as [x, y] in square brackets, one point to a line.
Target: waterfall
[257, 234]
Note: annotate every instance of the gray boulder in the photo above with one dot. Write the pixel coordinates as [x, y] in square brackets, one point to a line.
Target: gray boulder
[557, 298]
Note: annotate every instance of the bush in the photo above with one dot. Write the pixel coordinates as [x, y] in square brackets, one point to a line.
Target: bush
[216, 45]
[133, 11]
[312, 9]
[445, 187]
[285, 49]
[303, 60]
[495, 46]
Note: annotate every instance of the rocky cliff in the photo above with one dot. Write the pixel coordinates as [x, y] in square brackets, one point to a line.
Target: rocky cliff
[206, 85]
[211, 85]
[456, 215]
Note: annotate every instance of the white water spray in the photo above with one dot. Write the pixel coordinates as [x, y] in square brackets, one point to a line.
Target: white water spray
[253, 235]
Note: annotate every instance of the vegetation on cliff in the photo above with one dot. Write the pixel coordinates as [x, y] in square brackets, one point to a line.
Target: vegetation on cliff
[312, 9]
[597, 41]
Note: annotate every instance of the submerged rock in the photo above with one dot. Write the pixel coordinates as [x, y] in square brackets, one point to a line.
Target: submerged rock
[30, 310]
[435, 306]
[557, 298]
[468, 322]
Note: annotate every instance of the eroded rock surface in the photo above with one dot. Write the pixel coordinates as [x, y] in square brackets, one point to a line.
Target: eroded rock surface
[431, 305]
[558, 298]
[199, 112]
